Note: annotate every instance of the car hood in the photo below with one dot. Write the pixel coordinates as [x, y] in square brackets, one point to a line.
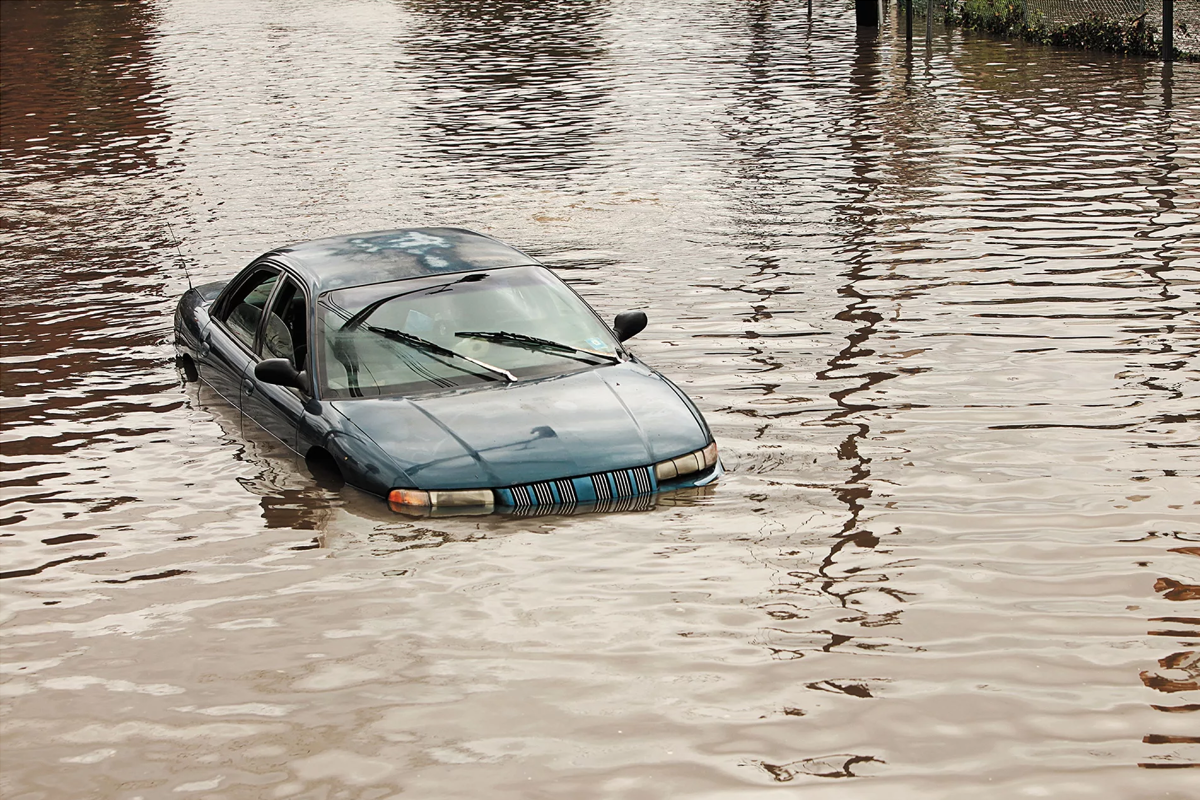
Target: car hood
[612, 417]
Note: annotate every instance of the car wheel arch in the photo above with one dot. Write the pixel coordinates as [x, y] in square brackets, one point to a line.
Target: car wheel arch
[187, 368]
[324, 468]
[362, 463]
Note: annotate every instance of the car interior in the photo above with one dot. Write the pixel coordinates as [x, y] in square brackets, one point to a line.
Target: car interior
[284, 332]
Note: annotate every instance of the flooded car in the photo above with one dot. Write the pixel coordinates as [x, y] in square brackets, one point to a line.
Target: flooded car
[444, 370]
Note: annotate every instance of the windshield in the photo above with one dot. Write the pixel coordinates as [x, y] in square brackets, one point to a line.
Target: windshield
[415, 335]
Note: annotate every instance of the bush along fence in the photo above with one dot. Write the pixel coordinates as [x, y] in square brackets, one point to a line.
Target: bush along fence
[1133, 27]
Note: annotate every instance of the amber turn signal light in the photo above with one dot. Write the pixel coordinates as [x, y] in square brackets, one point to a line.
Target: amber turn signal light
[417, 501]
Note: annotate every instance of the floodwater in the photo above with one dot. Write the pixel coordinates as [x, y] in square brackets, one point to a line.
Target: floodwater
[938, 303]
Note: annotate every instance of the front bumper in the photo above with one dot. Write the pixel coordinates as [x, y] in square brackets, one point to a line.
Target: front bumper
[635, 489]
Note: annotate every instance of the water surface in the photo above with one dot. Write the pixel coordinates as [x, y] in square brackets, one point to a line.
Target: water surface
[939, 305]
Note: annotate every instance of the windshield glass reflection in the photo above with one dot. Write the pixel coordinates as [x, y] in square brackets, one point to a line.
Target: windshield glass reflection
[483, 327]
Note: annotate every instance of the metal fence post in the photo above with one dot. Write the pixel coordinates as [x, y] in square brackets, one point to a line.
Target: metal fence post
[866, 13]
[908, 19]
[928, 22]
[1168, 39]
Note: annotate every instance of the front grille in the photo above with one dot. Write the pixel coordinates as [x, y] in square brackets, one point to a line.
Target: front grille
[598, 488]
[642, 503]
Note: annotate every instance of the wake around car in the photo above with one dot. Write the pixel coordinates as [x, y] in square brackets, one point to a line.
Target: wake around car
[445, 371]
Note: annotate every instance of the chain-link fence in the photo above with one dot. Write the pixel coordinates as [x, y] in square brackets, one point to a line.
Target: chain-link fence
[1131, 26]
[1069, 12]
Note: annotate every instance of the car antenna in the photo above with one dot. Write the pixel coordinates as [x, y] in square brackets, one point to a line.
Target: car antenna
[182, 260]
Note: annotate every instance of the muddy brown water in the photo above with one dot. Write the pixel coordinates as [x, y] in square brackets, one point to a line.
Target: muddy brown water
[938, 304]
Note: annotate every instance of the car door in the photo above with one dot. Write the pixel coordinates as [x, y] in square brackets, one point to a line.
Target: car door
[227, 349]
[283, 333]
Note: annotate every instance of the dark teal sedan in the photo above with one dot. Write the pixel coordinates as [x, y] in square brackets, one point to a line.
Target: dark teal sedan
[445, 371]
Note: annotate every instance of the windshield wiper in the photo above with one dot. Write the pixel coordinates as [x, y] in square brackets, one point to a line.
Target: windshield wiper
[371, 308]
[536, 343]
[436, 349]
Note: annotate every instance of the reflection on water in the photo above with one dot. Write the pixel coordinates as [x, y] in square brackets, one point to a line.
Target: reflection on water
[938, 304]
[534, 95]
[80, 95]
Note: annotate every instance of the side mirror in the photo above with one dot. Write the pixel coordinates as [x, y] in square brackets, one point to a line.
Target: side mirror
[280, 372]
[629, 324]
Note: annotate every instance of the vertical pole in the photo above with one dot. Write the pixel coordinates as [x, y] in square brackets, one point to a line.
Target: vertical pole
[1168, 44]
[908, 19]
[866, 13]
[928, 22]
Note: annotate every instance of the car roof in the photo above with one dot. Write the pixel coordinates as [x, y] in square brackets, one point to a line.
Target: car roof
[378, 256]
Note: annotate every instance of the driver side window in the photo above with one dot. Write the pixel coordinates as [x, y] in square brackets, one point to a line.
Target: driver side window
[245, 308]
[286, 333]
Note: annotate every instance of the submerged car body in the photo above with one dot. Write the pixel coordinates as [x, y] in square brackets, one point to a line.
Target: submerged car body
[442, 369]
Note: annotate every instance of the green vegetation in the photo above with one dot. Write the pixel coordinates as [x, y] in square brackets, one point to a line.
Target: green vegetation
[1132, 35]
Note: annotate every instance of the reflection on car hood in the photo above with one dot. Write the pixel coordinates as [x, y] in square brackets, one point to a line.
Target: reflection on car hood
[597, 420]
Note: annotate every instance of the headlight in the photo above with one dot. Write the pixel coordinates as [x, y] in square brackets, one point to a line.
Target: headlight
[416, 501]
[687, 464]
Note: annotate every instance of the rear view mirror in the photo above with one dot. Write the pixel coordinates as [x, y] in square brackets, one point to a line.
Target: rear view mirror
[280, 372]
[629, 324]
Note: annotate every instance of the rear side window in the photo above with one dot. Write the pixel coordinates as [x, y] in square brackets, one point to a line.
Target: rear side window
[244, 310]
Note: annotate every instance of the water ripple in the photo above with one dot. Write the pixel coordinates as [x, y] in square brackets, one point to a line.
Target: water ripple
[938, 304]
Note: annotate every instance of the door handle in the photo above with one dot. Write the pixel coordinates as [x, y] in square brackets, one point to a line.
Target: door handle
[248, 386]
